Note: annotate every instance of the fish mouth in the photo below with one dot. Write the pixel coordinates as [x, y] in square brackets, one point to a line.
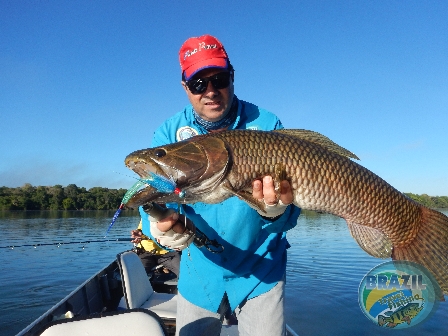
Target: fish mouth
[144, 168]
[143, 196]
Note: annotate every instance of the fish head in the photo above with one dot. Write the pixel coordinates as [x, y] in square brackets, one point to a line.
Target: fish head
[195, 166]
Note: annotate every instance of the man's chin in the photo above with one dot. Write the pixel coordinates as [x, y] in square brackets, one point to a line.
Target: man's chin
[213, 115]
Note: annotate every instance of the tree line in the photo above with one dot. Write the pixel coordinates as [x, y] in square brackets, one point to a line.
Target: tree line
[435, 202]
[73, 197]
[57, 197]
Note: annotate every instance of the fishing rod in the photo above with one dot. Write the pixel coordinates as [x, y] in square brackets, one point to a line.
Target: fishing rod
[72, 242]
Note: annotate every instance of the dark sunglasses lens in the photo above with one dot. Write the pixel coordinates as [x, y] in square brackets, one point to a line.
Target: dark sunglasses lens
[197, 86]
[219, 81]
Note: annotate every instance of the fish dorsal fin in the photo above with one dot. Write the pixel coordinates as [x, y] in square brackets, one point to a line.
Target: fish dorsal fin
[371, 240]
[318, 139]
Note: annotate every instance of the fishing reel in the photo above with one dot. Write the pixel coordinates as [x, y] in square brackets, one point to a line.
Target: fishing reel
[201, 240]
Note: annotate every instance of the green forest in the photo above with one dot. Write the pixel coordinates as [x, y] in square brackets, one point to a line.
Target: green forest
[58, 197]
[72, 197]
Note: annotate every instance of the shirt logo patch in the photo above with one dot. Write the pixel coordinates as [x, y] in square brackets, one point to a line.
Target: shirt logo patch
[254, 128]
[185, 132]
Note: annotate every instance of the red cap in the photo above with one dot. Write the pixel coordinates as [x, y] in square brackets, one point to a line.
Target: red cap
[198, 53]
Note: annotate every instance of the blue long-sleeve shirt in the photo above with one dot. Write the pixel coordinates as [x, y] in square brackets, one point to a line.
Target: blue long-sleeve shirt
[254, 255]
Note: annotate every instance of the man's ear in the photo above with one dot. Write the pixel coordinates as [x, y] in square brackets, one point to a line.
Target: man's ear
[184, 85]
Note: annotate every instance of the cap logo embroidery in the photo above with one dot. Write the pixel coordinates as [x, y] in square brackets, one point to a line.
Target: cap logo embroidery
[202, 46]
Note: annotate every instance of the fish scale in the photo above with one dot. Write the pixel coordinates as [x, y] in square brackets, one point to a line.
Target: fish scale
[383, 221]
[318, 178]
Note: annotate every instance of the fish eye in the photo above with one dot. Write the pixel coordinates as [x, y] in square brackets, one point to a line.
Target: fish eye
[160, 152]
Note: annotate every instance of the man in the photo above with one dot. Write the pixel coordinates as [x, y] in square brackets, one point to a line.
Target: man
[248, 274]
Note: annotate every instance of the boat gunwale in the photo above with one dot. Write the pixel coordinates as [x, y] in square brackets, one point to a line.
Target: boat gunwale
[40, 322]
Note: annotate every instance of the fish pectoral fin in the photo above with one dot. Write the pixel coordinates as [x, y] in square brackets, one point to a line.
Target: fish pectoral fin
[318, 139]
[371, 240]
[253, 202]
[244, 195]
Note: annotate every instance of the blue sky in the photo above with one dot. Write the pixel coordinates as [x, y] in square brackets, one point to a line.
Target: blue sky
[84, 83]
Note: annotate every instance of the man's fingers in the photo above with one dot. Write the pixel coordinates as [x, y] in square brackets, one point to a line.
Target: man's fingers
[270, 197]
[168, 222]
[175, 222]
[265, 190]
[136, 234]
[179, 227]
[286, 195]
[257, 189]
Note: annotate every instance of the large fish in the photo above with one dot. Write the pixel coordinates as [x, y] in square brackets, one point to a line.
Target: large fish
[213, 167]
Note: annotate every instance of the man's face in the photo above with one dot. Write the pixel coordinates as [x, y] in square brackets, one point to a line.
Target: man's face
[211, 105]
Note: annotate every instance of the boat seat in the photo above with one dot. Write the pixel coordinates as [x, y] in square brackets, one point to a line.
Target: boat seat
[137, 290]
[131, 322]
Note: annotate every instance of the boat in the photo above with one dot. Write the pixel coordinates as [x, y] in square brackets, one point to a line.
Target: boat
[104, 294]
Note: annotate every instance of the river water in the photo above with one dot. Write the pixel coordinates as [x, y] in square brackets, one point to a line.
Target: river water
[325, 267]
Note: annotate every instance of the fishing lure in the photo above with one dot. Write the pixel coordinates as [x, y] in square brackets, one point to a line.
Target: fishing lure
[161, 183]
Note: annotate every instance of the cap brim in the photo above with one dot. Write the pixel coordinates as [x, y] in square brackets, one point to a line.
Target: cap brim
[209, 63]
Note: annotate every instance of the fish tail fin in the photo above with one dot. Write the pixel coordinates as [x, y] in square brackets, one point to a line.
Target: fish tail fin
[381, 320]
[430, 247]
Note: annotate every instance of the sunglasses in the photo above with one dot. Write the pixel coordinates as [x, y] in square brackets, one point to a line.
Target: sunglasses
[219, 81]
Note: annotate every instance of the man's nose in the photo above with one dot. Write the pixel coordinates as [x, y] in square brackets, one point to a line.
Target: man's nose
[211, 91]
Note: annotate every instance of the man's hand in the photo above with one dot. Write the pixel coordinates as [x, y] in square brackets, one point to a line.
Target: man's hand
[264, 191]
[178, 223]
[174, 231]
[136, 235]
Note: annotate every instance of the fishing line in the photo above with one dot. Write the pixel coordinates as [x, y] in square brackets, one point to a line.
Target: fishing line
[129, 239]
